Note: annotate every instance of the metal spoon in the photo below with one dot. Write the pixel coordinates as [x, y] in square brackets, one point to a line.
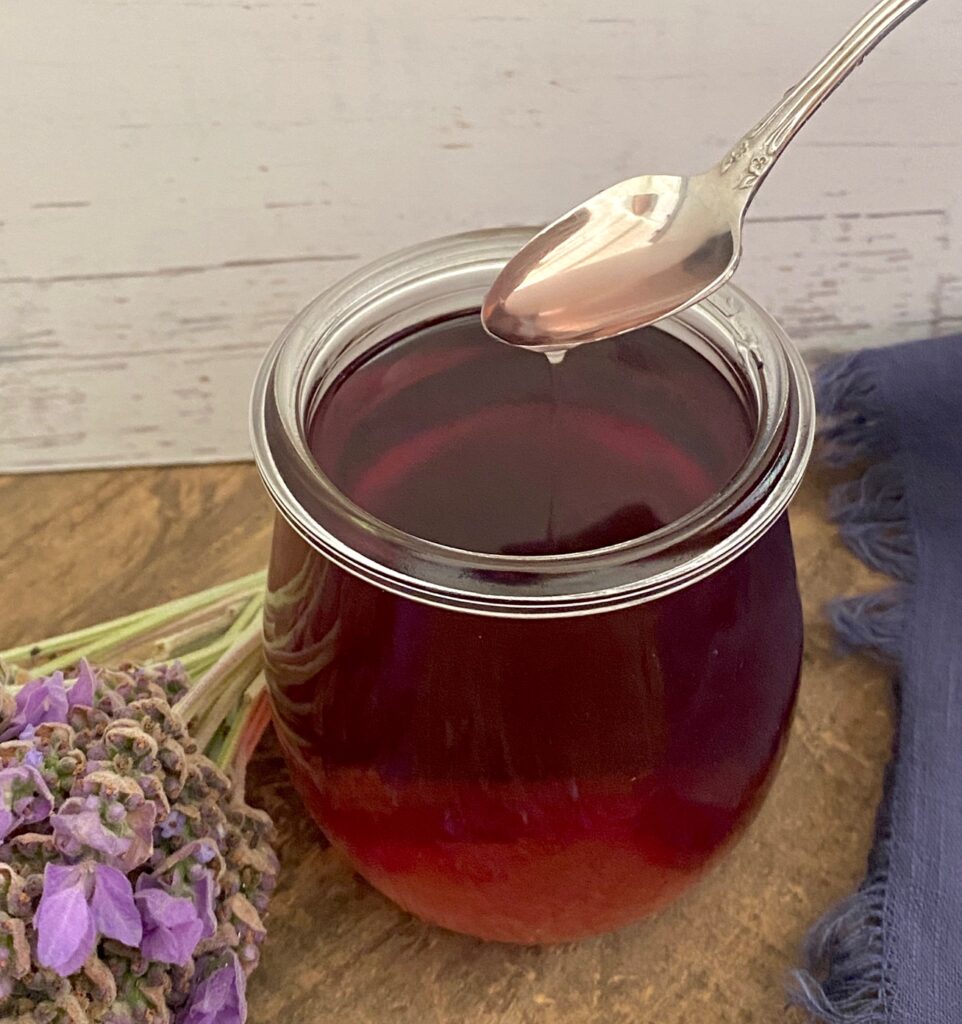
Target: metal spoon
[652, 245]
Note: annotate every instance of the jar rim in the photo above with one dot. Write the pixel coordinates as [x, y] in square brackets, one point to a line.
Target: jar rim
[448, 276]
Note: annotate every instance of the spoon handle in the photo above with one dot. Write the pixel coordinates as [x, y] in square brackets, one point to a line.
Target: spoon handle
[752, 158]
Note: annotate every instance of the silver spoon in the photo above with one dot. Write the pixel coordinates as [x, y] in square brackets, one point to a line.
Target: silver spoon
[652, 245]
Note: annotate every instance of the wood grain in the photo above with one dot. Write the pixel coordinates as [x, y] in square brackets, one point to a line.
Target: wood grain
[76, 548]
[183, 175]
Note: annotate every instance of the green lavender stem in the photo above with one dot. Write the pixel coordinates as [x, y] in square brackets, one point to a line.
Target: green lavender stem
[224, 756]
[236, 668]
[129, 630]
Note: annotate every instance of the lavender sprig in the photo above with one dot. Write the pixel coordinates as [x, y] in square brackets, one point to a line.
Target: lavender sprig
[133, 877]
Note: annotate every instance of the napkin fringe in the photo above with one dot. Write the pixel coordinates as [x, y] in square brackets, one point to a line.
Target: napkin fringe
[874, 623]
[873, 521]
[845, 980]
[854, 426]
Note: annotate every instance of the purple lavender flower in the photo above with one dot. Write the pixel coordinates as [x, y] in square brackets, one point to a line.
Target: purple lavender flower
[172, 825]
[84, 688]
[41, 700]
[79, 902]
[204, 890]
[34, 758]
[113, 906]
[94, 823]
[218, 995]
[24, 797]
[192, 872]
[172, 926]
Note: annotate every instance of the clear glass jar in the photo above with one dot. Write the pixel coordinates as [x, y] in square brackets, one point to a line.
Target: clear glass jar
[529, 748]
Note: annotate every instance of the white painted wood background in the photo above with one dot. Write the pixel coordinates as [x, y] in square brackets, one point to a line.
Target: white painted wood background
[178, 177]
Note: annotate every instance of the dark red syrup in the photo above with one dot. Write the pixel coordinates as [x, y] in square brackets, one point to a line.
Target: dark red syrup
[532, 779]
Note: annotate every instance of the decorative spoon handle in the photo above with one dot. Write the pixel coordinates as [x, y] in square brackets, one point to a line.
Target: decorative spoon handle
[752, 158]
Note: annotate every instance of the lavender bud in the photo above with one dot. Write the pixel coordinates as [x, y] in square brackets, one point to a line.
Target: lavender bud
[116, 812]
[33, 886]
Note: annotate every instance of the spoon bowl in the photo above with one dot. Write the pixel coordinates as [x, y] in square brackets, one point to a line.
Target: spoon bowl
[632, 254]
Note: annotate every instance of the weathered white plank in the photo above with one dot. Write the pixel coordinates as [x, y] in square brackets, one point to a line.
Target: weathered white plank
[179, 178]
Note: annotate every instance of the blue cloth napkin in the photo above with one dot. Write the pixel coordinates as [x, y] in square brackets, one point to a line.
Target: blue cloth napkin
[892, 953]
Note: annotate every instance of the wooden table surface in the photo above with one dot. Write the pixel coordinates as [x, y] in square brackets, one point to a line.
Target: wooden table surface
[78, 548]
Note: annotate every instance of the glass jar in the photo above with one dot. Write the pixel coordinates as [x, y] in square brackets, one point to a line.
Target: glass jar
[529, 748]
